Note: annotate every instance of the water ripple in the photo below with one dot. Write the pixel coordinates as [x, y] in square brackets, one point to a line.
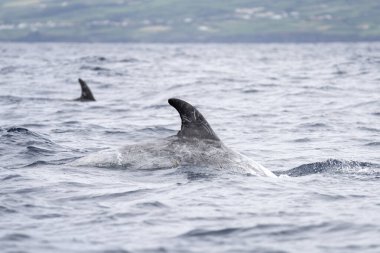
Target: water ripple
[283, 105]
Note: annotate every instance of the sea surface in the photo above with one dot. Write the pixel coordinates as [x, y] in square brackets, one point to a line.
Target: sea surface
[308, 112]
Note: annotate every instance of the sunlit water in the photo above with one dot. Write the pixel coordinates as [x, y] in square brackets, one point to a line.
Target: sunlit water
[285, 106]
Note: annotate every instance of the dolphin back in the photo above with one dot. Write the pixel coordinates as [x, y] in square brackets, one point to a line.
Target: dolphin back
[194, 125]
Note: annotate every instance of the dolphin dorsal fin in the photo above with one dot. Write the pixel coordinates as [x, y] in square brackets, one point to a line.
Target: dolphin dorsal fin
[194, 125]
[86, 92]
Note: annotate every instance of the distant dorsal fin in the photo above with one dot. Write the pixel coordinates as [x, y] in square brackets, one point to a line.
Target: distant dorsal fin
[194, 125]
[86, 92]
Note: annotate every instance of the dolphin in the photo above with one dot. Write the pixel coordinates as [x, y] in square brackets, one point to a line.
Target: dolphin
[86, 95]
[196, 145]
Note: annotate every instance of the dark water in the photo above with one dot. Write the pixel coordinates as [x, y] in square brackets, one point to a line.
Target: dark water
[309, 112]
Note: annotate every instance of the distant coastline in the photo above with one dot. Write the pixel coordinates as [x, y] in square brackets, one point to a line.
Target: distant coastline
[260, 38]
[206, 21]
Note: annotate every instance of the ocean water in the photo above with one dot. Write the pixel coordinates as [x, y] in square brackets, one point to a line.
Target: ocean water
[308, 112]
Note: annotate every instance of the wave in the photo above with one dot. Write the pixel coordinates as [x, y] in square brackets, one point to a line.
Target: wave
[51, 162]
[130, 194]
[129, 60]
[93, 59]
[333, 166]
[6, 210]
[10, 177]
[94, 68]
[15, 237]
[24, 137]
[8, 70]
[376, 143]
[272, 230]
[8, 99]
[29, 148]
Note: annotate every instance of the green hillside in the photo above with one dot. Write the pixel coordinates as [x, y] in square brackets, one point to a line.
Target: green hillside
[189, 21]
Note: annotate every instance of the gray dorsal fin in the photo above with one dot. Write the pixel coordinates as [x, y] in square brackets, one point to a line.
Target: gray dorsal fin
[194, 125]
[86, 92]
